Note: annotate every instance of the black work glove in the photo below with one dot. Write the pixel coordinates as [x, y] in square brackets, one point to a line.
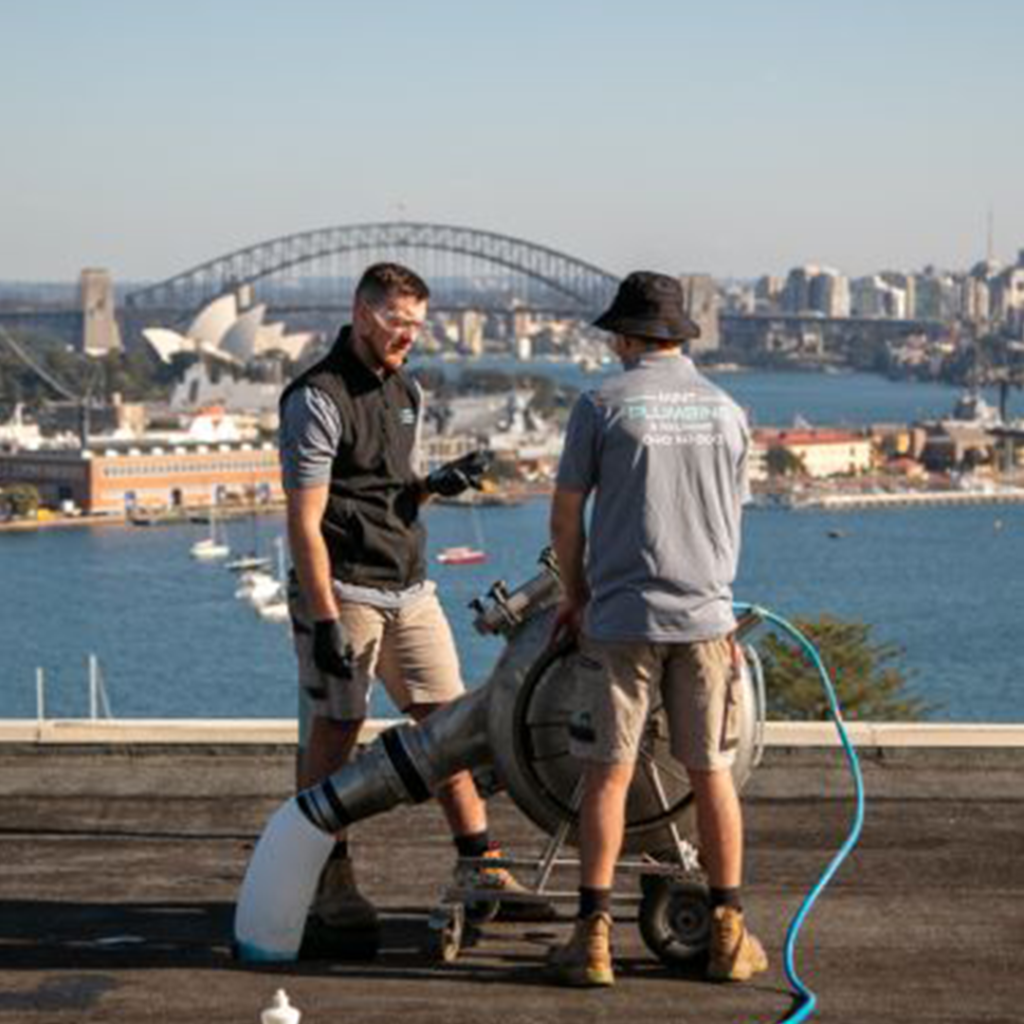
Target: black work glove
[454, 477]
[331, 654]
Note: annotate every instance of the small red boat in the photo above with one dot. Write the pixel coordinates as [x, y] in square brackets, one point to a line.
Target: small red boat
[461, 556]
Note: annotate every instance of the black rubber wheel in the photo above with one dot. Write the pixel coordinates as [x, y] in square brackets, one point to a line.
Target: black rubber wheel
[444, 934]
[675, 920]
[482, 911]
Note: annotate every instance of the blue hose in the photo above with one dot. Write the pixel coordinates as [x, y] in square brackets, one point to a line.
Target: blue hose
[806, 999]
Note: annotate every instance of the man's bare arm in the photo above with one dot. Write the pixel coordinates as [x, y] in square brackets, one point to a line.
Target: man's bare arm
[568, 536]
[569, 539]
[305, 513]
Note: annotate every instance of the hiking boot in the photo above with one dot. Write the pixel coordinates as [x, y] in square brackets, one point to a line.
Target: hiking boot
[342, 922]
[339, 903]
[735, 954]
[470, 874]
[585, 961]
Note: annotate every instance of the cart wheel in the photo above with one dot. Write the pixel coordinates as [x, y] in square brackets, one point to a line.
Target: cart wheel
[482, 911]
[675, 920]
[444, 933]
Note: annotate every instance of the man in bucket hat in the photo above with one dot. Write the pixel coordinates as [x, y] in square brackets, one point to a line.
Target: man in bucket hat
[663, 451]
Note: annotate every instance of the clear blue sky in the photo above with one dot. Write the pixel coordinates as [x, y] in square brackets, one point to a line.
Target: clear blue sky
[738, 137]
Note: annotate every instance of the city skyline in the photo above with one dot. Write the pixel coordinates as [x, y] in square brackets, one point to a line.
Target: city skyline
[738, 141]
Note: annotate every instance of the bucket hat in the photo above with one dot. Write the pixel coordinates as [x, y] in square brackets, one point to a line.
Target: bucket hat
[649, 305]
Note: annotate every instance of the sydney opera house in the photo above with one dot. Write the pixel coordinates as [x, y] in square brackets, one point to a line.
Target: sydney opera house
[226, 330]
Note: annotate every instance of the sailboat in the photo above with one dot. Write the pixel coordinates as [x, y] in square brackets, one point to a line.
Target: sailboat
[253, 561]
[211, 547]
[269, 594]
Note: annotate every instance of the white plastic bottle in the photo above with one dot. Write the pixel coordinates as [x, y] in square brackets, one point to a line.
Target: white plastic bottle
[280, 1011]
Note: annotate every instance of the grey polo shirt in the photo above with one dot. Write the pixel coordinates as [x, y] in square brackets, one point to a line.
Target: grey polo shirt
[664, 452]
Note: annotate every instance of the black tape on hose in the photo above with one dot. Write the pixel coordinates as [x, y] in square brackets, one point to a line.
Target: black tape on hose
[412, 780]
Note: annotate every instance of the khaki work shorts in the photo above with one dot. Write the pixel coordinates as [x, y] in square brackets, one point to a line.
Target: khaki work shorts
[410, 649]
[698, 685]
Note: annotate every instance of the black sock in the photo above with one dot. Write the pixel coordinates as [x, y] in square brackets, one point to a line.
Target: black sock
[726, 898]
[594, 901]
[475, 845]
[340, 851]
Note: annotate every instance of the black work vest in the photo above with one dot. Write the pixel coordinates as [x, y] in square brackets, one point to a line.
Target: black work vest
[371, 524]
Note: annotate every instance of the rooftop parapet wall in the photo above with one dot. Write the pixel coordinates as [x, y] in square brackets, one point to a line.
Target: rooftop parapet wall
[284, 732]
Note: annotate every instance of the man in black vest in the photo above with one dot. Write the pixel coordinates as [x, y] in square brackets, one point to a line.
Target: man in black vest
[360, 601]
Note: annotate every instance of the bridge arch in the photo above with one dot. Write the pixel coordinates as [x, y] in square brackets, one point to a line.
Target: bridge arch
[575, 285]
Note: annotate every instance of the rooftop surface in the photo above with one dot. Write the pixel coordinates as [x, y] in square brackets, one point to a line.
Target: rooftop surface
[121, 864]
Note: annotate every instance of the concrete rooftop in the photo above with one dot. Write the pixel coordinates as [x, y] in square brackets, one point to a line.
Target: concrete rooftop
[120, 865]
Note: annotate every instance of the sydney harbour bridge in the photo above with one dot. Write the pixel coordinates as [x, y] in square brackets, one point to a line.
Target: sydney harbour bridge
[315, 271]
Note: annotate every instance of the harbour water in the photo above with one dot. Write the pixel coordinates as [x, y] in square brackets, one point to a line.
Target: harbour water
[944, 583]
[776, 399]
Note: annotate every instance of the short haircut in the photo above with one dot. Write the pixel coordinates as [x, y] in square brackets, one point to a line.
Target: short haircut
[385, 281]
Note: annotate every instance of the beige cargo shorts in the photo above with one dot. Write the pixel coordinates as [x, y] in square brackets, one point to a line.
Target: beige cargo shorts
[410, 649]
[698, 684]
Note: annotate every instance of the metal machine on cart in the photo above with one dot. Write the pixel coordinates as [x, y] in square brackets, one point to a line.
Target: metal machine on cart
[530, 713]
[515, 730]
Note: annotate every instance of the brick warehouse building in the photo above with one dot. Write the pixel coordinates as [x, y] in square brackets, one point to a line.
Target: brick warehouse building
[114, 479]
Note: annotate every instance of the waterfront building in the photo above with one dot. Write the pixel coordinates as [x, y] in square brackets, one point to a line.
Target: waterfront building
[111, 478]
[230, 329]
[200, 387]
[823, 452]
[17, 434]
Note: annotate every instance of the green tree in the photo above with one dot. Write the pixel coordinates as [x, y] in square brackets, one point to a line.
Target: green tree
[20, 500]
[784, 462]
[869, 677]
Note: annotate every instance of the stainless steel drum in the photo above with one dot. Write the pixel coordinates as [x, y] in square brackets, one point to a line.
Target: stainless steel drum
[530, 709]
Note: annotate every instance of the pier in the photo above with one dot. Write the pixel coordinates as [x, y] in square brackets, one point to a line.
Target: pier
[826, 502]
[123, 851]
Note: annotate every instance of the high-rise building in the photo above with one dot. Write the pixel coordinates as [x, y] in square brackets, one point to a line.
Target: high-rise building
[100, 333]
[813, 289]
[875, 297]
[976, 292]
[796, 293]
[830, 293]
[1007, 290]
[907, 284]
[935, 295]
[767, 291]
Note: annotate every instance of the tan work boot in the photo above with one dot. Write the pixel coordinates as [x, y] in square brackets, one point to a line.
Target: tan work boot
[735, 954]
[339, 903]
[585, 961]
